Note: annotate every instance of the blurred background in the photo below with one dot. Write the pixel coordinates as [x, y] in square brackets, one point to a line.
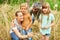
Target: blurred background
[9, 7]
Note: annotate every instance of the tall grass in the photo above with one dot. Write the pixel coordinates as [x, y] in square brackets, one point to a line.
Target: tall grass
[7, 13]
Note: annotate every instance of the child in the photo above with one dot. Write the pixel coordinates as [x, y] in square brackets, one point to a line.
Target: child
[46, 21]
[26, 24]
[35, 11]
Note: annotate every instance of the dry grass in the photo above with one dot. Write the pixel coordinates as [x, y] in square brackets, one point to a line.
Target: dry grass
[7, 14]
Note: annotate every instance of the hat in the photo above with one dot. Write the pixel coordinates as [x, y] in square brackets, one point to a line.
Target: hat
[37, 5]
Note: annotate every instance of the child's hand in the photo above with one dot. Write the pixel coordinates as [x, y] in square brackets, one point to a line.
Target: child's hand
[24, 36]
[27, 28]
[46, 27]
[30, 34]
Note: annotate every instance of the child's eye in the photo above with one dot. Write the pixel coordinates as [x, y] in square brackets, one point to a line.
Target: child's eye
[21, 8]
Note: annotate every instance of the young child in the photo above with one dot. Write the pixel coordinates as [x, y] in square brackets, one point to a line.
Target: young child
[46, 21]
[35, 11]
[26, 24]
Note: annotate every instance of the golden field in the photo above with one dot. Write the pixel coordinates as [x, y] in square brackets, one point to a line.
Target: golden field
[7, 15]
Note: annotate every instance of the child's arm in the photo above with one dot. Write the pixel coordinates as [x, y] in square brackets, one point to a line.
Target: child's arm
[29, 25]
[52, 23]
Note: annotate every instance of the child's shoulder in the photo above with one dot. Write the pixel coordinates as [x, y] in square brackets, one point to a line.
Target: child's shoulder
[51, 14]
[28, 14]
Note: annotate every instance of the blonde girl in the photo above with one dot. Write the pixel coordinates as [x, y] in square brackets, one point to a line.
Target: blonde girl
[46, 21]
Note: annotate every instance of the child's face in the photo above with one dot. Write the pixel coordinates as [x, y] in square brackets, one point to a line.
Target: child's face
[23, 9]
[45, 10]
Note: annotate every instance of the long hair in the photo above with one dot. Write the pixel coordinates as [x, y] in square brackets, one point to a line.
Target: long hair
[46, 5]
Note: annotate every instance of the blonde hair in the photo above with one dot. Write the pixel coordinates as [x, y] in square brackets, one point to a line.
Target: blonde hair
[24, 5]
[46, 5]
